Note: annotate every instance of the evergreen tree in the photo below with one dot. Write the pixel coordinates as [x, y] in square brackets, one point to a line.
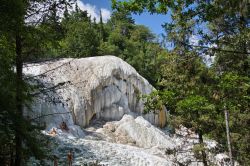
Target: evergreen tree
[102, 33]
[19, 134]
[81, 38]
[222, 28]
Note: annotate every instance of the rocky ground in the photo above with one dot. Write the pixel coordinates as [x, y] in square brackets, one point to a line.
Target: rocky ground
[128, 142]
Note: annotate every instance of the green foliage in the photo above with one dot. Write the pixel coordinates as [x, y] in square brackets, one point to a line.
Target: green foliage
[226, 85]
[222, 30]
[152, 102]
[232, 85]
[157, 99]
[196, 112]
[8, 116]
[233, 91]
[81, 40]
[19, 137]
[197, 150]
[139, 5]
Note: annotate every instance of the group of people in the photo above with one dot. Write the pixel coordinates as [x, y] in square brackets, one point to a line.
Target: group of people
[63, 126]
[69, 159]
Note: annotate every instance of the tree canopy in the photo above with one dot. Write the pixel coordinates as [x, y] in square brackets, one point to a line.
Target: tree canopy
[221, 28]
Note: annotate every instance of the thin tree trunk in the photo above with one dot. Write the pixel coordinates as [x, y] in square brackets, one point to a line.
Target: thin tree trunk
[228, 138]
[203, 153]
[11, 155]
[19, 108]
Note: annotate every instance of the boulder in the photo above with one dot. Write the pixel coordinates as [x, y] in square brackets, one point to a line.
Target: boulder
[79, 90]
[136, 131]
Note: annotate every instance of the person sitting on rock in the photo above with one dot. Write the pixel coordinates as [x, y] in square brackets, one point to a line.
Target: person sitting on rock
[53, 132]
[64, 126]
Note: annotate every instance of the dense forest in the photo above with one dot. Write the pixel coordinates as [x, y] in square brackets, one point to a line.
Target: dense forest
[199, 95]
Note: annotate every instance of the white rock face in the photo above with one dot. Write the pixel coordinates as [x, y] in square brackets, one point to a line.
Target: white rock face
[103, 87]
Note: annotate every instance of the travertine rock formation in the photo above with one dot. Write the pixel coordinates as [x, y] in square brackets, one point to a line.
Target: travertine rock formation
[137, 132]
[130, 141]
[103, 87]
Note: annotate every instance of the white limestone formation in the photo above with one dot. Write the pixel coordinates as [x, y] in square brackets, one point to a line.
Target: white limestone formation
[137, 132]
[104, 90]
[103, 87]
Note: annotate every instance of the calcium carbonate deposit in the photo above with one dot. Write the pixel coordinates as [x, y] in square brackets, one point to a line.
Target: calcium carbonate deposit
[98, 99]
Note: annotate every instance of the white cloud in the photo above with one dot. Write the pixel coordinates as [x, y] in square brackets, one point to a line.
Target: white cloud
[105, 14]
[94, 12]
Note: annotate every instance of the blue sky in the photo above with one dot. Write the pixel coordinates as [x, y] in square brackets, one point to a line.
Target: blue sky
[154, 22]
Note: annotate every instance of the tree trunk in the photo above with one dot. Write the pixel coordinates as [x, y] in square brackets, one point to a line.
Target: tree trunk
[228, 138]
[19, 107]
[11, 155]
[203, 153]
